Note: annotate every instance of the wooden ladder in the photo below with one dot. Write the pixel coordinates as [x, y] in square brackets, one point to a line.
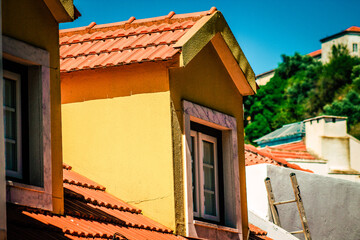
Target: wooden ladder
[298, 200]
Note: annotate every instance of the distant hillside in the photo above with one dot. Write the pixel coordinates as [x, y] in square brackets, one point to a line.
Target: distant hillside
[303, 87]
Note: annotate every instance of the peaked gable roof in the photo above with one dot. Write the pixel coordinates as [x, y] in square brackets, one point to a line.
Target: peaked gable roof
[90, 213]
[179, 36]
[131, 41]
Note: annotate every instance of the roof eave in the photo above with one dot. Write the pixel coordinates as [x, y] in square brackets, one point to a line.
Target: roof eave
[214, 28]
[63, 11]
[338, 35]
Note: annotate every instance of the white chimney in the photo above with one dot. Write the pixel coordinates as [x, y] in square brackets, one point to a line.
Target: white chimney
[326, 137]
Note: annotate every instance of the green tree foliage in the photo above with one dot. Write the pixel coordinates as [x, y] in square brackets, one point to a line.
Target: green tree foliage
[303, 87]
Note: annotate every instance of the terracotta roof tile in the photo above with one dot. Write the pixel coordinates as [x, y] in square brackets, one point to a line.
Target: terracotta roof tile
[255, 156]
[315, 53]
[353, 29]
[295, 150]
[257, 233]
[90, 213]
[105, 44]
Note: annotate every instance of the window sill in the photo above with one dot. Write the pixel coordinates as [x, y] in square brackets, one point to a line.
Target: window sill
[215, 226]
[24, 186]
[28, 195]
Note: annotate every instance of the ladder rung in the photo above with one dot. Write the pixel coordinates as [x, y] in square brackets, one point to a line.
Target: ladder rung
[284, 202]
[297, 232]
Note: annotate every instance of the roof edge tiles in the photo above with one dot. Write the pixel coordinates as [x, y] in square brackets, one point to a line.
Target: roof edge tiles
[132, 22]
[100, 218]
[315, 53]
[266, 153]
[352, 29]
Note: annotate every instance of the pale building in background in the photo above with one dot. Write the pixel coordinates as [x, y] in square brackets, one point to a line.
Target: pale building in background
[320, 144]
[350, 37]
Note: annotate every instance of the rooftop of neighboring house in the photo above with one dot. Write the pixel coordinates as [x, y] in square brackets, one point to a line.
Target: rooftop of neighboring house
[265, 73]
[315, 54]
[90, 213]
[127, 42]
[275, 156]
[257, 233]
[286, 134]
[350, 30]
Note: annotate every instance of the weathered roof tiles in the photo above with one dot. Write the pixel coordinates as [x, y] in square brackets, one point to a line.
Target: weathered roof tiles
[90, 213]
[254, 156]
[127, 42]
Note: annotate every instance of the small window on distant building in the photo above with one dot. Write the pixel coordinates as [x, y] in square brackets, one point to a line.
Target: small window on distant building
[355, 47]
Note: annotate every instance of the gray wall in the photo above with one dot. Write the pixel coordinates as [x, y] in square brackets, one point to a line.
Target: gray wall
[332, 205]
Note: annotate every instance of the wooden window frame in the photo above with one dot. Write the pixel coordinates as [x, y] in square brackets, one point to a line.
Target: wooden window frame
[203, 137]
[17, 78]
[196, 180]
[199, 181]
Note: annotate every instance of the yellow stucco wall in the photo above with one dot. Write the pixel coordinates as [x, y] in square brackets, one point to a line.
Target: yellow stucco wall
[32, 22]
[206, 82]
[117, 132]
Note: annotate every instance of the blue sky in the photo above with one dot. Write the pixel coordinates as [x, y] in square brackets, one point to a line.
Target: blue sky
[264, 29]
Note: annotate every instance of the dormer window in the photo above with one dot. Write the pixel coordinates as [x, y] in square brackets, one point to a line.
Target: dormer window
[355, 47]
[212, 168]
[27, 124]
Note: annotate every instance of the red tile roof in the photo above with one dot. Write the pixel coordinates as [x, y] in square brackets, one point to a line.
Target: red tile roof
[90, 213]
[255, 156]
[127, 42]
[315, 53]
[295, 150]
[350, 29]
[353, 29]
[257, 233]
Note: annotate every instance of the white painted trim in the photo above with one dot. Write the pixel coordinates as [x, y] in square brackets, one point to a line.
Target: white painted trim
[202, 138]
[17, 78]
[196, 164]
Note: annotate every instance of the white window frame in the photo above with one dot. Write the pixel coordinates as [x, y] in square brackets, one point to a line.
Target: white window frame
[199, 181]
[355, 45]
[17, 78]
[196, 180]
[203, 137]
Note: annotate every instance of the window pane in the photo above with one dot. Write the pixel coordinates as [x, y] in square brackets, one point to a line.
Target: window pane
[10, 156]
[10, 124]
[9, 93]
[210, 203]
[193, 169]
[208, 152]
[209, 179]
